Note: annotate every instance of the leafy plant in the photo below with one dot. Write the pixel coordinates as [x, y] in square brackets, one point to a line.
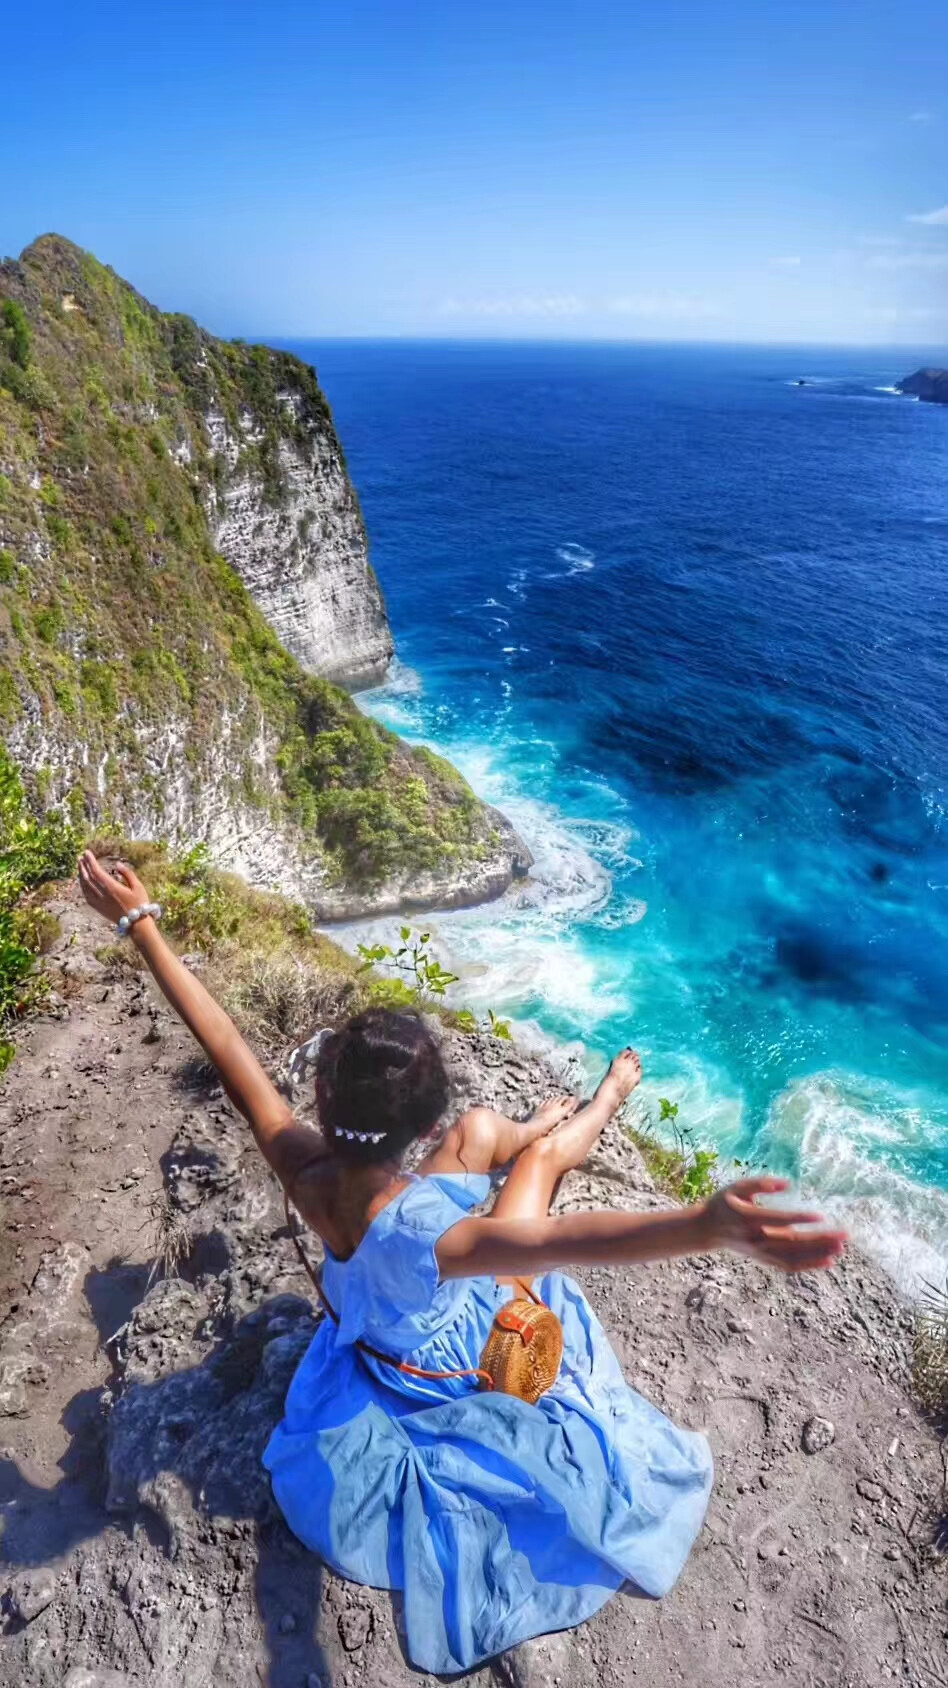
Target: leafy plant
[687, 1171]
[414, 959]
[423, 980]
[466, 1021]
[15, 335]
[698, 1180]
[32, 851]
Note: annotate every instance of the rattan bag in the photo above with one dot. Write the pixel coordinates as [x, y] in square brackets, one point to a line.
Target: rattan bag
[523, 1353]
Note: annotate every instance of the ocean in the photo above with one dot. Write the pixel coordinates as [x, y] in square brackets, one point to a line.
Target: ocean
[686, 622]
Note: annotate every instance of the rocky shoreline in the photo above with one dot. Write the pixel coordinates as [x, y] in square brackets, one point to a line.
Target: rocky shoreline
[929, 385]
[141, 1548]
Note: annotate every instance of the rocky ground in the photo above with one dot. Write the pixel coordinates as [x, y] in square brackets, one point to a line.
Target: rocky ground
[140, 1545]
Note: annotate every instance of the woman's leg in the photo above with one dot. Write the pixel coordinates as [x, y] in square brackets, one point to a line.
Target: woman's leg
[483, 1141]
[531, 1183]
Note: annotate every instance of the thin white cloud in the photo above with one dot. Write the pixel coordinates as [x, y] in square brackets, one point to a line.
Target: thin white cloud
[659, 305]
[787, 263]
[521, 305]
[552, 306]
[937, 218]
[920, 117]
[908, 261]
[902, 313]
[879, 240]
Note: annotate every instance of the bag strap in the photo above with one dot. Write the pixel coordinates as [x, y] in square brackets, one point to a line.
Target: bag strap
[365, 1347]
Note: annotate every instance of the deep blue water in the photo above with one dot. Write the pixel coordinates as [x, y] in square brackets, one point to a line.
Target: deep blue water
[688, 623]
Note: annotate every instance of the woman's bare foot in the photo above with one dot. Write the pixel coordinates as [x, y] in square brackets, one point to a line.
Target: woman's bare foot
[573, 1140]
[545, 1120]
[621, 1079]
[532, 1184]
[554, 1112]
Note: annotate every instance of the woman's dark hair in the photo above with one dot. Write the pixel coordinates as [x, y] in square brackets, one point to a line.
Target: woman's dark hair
[380, 1083]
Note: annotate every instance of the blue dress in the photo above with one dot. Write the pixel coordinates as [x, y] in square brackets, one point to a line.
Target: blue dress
[499, 1520]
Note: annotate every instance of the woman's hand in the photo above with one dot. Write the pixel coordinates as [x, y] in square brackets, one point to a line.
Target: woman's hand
[110, 894]
[734, 1220]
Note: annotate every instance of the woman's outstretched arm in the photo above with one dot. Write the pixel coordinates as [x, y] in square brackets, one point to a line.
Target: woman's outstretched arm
[285, 1143]
[732, 1219]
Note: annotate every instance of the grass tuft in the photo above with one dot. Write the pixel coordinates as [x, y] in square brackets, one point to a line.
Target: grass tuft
[930, 1357]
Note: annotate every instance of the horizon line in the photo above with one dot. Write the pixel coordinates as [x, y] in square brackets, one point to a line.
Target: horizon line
[590, 340]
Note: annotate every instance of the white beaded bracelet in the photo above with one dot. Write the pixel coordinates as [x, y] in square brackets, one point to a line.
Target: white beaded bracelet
[124, 926]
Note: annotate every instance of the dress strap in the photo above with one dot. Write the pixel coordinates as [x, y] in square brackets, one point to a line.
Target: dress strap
[365, 1347]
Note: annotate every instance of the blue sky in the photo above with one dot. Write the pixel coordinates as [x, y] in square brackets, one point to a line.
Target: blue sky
[669, 169]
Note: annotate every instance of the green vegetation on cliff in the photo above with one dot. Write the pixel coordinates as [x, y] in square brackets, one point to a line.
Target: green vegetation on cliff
[32, 852]
[120, 625]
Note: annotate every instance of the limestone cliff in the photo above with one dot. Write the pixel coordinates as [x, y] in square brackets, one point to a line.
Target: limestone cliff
[304, 561]
[183, 573]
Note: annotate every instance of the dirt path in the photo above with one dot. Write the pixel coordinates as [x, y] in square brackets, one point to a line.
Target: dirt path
[140, 1545]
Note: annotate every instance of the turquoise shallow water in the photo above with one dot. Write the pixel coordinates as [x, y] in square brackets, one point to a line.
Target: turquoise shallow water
[687, 622]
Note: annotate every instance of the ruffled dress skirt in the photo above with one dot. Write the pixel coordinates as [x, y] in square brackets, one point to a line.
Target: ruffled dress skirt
[498, 1520]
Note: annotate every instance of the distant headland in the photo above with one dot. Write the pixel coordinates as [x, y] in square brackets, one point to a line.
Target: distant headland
[928, 384]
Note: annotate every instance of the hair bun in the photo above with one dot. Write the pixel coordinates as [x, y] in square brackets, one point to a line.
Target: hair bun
[380, 1083]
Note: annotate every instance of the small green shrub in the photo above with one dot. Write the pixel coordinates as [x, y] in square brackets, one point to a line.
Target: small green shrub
[60, 531]
[7, 568]
[32, 851]
[464, 1020]
[686, 1171]
[698, 1180]
[415, 961]
[99, 686]
[423, 983]
[66, 698]
[9, 697]
[15, 336]
[48, 623]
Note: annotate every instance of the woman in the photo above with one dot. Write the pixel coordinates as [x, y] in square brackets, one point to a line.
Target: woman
[498, 1519]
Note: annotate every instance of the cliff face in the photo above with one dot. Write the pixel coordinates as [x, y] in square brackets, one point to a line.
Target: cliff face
[183, 573]
[931, 385]
[304, 561]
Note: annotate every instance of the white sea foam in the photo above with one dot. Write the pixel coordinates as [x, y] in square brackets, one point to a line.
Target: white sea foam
[621, 912]
[831, 1123]
[401, 680]
[844, 1132]
[578, 558]
[522, 949]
